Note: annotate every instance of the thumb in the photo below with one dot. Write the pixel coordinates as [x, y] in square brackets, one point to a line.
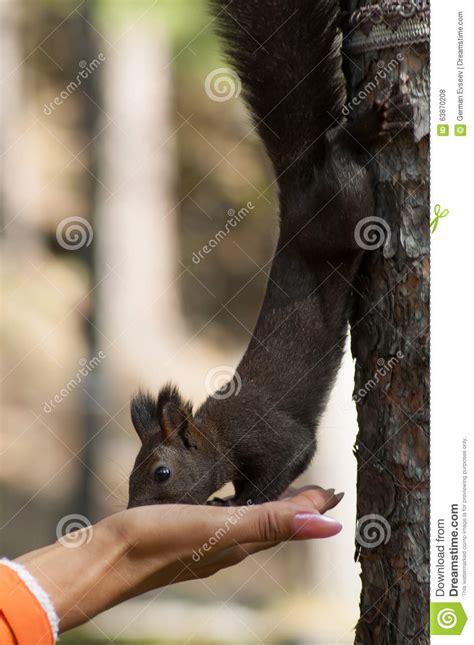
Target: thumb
[277, 522]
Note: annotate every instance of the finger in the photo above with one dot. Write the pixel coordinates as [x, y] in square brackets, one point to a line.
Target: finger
[292, 491]
[334, 501]
[261, 546]
[255, 547]
[316, 498]
[280, 521]
[188, 529]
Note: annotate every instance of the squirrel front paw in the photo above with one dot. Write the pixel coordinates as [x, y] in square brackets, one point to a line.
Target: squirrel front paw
[394, 114]
[382, 120]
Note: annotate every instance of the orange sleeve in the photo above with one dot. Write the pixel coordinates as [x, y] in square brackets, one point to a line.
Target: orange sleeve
[23, 621]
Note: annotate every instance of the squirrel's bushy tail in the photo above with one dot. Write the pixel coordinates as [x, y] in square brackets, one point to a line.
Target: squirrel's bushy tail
[287, 55]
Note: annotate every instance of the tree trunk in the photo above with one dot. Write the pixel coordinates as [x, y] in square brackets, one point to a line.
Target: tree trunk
[390, 344]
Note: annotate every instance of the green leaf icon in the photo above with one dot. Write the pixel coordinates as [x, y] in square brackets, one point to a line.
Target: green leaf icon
[447, 618]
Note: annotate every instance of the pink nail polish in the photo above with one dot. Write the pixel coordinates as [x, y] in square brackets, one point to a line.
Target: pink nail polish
[314, 525]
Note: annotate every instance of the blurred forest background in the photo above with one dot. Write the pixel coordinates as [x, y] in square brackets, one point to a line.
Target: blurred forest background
[117, 168]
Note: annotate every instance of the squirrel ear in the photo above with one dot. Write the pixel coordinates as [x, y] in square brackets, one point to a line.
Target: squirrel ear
[167, 417]
[143, 413]
[173, 420]
[175, 415]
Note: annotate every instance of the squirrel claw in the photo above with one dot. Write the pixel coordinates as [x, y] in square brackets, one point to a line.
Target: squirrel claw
[385, 118]
[394, 114]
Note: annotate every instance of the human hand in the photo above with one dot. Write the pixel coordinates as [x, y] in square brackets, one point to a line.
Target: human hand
[148, 547]
[198, 541]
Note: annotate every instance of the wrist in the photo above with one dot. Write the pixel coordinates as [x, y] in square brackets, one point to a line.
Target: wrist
[81, 579]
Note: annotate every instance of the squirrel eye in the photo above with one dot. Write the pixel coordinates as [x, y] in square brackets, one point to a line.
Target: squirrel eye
[162, 473]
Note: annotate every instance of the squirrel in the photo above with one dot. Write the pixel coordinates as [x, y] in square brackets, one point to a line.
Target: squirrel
[262, 435]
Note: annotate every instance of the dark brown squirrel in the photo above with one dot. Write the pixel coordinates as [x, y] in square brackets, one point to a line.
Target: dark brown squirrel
[262, 435]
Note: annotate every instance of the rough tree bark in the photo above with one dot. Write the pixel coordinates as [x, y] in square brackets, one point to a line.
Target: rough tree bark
[391, 315]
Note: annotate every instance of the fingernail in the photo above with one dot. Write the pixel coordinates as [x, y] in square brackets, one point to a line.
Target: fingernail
[314, 525]
[339, 496]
